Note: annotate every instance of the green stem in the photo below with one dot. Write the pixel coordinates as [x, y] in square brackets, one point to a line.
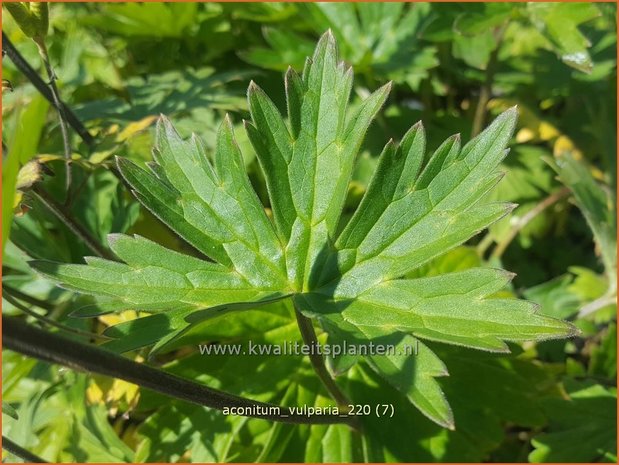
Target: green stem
[22, 65]
[597, 304]
[484, 244]
[27, 457]
[309, 338]
[486, 89]
[28, 298]
[65, 216]
[61, 115]
[7, 296]
[527, 218]
[55, 348]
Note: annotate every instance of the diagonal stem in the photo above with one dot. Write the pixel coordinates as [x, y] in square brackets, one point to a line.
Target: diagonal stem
[43, 304]
[486, 89]
[601, 302]
[6, 295]
[527, 218]
[61, 115]
[55, 348]
[309, 338]
[20, 62]
[65, 216]
[18, 451]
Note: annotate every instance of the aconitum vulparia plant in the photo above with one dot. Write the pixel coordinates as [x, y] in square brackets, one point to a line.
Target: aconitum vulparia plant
[349, 279]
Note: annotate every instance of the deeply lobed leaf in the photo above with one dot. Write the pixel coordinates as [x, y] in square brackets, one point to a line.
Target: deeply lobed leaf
[453, 308]
[154, 278]
[211, 205]
[414, 217]
[415, 208]
[308, 165]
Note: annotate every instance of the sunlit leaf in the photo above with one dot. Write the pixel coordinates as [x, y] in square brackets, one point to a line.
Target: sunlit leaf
[417, 207]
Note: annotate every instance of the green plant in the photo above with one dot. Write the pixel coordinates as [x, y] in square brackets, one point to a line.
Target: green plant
[33, 19]
[360, 31]
[153, 383]
[351, 279]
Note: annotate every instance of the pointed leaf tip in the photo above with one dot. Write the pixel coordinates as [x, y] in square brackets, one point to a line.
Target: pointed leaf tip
[510, 206]
[509, 275]
[510, 113]
[327, 41]
[252, 87]
[113, 238]
[164, 121]
[121, 164]
[574, 330]
[164, 128]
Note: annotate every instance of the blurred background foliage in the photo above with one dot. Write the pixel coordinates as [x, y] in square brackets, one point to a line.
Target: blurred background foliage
[454, 66]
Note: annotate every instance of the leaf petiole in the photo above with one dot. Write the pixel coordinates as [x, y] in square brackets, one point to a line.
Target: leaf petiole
[309, 338]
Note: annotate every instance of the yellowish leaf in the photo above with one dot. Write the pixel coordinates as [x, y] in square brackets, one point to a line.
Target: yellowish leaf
[135, 127]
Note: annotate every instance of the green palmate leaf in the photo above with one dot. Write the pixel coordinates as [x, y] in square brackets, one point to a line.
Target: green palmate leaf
[449, 308]
[360, 30]
[416, 208]
[414, 378]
